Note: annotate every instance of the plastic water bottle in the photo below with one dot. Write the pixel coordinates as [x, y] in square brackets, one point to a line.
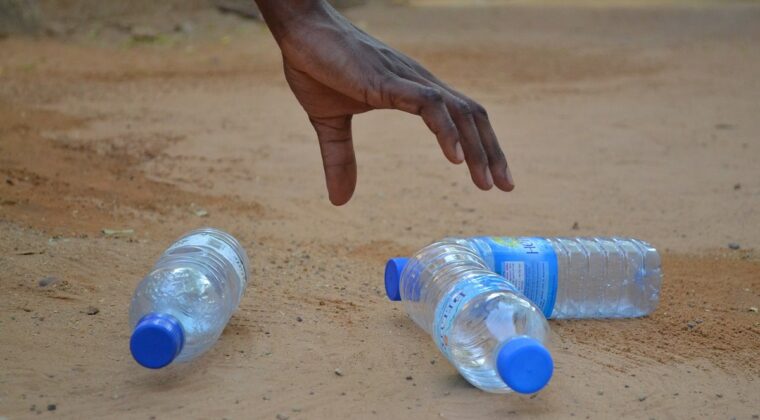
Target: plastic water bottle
[577, 277]
[492, 335]
[179, 310]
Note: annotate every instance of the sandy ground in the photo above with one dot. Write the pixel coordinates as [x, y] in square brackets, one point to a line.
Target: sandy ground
[638, 121]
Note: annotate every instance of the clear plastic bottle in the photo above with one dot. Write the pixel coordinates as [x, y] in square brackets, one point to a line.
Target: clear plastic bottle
[493, 335]
[181, 307]
[577, 277]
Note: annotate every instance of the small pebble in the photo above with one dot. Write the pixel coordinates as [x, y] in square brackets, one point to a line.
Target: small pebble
[719, 395]
[51, 407]
[691, 324]
[47, 281]
[338, 372]
[734, 246]
[299, 319]
[576, 226]
[282, 417]
[642, 399]
[409, 378]
[91, 310]
[184, 27]
[737, 186]
[752, 309]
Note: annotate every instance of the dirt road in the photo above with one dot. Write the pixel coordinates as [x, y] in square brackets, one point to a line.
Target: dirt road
[634, 121]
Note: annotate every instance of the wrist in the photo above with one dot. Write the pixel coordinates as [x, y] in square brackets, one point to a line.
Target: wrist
[282, 14]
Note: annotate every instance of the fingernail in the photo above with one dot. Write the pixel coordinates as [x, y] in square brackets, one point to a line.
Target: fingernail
[459, 152]
[489, 179]
[509, 177]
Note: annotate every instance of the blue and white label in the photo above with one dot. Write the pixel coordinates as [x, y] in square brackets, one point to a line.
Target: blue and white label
[454, 301]
[530, 265]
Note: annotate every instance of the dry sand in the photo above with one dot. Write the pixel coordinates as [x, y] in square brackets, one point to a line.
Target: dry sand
[637, 121]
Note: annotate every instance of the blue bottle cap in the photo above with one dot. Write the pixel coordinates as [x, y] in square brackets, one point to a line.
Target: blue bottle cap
[157, 340]
[524, 364]
[393, 270]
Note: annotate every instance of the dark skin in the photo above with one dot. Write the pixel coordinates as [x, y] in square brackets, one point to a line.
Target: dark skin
[336, 70]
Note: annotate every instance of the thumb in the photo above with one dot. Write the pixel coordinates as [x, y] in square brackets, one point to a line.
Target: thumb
[337, 147]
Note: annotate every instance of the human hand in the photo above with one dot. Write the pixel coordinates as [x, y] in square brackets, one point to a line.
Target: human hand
[336, 70]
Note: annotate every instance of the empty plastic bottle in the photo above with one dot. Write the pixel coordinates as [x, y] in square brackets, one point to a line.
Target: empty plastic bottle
[493, 335]
[179, 310]
[577, 277]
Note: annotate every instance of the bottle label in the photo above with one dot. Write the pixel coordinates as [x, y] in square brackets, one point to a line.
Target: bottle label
[204, 239]
[530, 265]
[452, 303]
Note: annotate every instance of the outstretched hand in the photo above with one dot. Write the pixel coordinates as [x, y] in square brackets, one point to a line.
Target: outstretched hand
[337, 70]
